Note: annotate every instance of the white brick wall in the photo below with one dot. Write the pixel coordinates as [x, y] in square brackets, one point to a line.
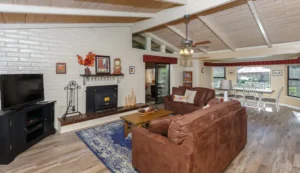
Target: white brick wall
[38, 51]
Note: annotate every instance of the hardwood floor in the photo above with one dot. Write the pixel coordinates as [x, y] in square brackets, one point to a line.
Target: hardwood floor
[273, 147]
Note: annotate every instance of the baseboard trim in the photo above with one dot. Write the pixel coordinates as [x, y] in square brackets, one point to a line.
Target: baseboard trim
[290, 106]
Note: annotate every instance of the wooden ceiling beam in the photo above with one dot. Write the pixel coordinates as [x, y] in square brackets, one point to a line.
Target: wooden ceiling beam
[217, 32]
[180, 2]
[172, 14]
[259, 23]
[31, 9]
[258, 51]
[183, 36]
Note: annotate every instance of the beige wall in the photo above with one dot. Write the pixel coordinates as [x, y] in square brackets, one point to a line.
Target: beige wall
[276, 83]
[205, 80]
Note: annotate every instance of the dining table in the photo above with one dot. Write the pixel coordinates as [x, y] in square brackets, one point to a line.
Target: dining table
[260, 93]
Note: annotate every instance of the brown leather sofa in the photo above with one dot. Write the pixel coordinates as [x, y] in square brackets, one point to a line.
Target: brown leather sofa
[205, 141]
[203, 96]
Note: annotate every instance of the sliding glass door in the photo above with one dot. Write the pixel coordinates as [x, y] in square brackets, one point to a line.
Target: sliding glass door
[162, 77]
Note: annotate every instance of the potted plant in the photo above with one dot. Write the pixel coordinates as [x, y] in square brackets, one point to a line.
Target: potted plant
[89, 61]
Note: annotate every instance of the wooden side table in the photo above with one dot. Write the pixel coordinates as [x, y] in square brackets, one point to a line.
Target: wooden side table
[136, 119]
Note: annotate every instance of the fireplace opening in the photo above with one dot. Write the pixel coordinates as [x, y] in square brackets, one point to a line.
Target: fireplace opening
[101, 98]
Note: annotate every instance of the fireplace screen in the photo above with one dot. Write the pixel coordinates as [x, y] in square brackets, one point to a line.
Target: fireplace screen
[101, 98]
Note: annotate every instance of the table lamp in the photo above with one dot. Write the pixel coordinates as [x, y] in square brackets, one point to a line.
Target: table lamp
[226, 85]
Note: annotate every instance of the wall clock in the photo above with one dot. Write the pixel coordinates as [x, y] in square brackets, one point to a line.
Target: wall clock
[117, 66]
[202, 69]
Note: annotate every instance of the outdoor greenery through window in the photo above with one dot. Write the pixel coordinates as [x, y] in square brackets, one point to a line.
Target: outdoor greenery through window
[219, 74]
[255, 76]
[294, 81]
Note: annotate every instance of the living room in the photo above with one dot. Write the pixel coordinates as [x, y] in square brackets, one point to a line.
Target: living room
[75, 47]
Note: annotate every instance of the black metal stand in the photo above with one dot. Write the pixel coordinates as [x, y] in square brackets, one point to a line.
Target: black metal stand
[72, 92]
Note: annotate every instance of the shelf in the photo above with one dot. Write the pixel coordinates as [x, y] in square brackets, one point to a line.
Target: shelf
[33, 121]
[104, 76]
[28, 131]
[101, 75]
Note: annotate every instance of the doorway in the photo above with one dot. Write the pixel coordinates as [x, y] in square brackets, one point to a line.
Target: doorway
[157, 82]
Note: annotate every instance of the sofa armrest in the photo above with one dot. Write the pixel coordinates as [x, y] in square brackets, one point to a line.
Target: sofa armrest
[155, 153]
[161, 125]
[168, 98]
[213, 101]
[206, 101]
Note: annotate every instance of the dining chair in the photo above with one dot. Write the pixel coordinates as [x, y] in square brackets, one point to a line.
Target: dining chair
[250, 96]
[272, 100]
[237, 94]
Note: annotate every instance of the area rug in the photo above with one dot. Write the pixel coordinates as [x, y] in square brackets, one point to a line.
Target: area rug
[107, 142]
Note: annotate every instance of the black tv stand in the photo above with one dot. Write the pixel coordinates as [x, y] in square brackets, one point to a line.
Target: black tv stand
[21, 129]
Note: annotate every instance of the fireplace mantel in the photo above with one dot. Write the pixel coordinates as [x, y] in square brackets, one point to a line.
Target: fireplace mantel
[101, 76]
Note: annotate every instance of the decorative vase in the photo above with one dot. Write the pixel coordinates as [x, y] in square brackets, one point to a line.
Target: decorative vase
[87, 71]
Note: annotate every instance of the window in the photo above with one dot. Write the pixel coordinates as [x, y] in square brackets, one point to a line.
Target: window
[294, 81]
[138, 41]
[254, 76]
[169, 50]
[155, 47]
[219, 74]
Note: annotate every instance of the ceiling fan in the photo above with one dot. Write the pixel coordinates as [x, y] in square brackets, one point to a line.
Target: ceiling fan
[188, 44]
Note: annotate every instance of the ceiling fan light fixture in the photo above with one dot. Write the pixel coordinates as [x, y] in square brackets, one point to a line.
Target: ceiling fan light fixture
[186, 51]
[187, 43]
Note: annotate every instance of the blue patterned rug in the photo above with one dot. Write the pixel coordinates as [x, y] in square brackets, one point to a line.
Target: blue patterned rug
[107, 142]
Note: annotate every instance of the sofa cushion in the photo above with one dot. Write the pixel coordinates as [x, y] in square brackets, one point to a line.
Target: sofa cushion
[190, 95]
[181, 126]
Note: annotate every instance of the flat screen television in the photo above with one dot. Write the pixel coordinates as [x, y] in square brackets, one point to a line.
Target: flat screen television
[20, 90]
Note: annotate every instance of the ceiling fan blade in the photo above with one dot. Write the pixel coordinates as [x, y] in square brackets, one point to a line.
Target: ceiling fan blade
[203, 47]
[201, 58]
[201, 43]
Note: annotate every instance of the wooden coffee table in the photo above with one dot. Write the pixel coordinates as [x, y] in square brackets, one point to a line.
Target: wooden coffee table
[138, 120]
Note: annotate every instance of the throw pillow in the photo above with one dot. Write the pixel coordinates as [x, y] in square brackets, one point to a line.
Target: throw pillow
[177, 91]
[190, 95]
[178, 98]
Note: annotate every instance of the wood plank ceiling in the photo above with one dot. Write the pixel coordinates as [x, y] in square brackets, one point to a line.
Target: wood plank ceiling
[231, 26]
[151, 6]
[280, 18]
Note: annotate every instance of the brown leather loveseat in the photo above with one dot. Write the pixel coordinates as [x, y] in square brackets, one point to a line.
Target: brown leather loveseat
[203, 96]
[205, 141]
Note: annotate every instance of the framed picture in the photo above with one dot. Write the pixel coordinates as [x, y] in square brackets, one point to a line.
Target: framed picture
[102, 64]
[231, 72]
[277, 72]
[61, 68]
[131, 69]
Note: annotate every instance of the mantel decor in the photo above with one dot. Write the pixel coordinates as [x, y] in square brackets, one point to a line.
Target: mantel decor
[72, 98]
[130, 100]
[88, 62]
[117, 66]
[102, 64]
